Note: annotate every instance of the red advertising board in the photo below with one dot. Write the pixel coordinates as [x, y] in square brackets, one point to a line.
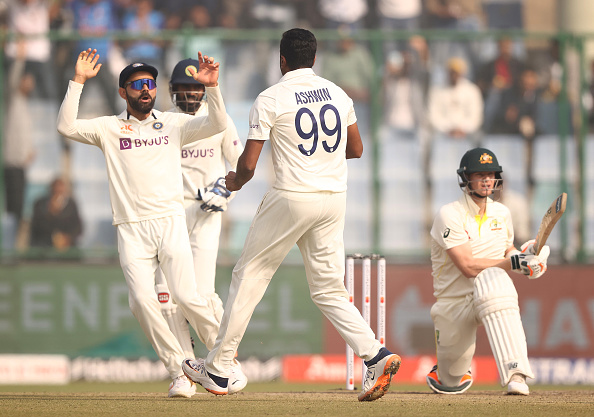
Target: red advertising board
[557, 312]
[414, 369]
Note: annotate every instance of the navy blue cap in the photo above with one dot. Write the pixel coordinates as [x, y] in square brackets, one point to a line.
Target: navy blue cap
[137, 67]
[181, 75]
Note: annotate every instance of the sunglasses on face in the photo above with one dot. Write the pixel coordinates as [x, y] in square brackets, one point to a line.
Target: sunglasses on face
[139, 84]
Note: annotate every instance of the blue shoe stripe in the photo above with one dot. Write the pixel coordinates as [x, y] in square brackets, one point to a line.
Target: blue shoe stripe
[221, 382]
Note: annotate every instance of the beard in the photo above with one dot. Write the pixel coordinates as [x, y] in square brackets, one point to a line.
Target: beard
[189, 106]
[140, 106]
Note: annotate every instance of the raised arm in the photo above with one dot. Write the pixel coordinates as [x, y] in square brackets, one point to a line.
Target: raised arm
[69, 126]
[202, 127]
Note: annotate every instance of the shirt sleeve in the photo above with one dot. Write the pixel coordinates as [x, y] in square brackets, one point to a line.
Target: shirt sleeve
[232, 146]
[203, 127]
[448, 229]
[351, 117]
[69, 126]
[261, 118]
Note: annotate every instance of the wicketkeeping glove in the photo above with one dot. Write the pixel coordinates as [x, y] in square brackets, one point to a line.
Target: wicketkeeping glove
[214, 197]
[533, 266]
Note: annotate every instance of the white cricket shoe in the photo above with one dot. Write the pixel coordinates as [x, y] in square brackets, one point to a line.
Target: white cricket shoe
[237, 379]
[517, 385]
[194, 369]
[182, 387]
[379, 375]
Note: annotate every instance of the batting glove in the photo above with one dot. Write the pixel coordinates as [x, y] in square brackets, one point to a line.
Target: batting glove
[533, 266]
[528, 247]
[214, 197]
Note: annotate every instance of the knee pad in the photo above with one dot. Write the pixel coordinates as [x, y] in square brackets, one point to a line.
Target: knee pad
[496, 304]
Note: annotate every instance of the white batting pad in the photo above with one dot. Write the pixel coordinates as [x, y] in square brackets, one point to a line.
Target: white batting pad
[175, 320]
[496, 304]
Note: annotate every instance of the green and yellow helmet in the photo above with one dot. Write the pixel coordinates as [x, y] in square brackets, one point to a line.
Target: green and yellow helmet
[478, 160]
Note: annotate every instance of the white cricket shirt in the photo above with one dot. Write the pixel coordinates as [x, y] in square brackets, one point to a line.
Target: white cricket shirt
[306, 118]
[457, 223]
[143, 158]
[203, 162]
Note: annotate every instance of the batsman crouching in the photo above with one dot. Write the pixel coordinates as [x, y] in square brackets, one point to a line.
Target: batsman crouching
[471, 250]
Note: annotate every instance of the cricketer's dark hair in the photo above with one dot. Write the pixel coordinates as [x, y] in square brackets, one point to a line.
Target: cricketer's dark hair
[298, 46]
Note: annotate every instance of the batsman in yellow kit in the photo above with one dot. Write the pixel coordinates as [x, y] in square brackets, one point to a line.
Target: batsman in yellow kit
[471, 252]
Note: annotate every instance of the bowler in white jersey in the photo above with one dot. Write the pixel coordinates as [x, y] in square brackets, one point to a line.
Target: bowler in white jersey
[471, 252]
[311, 125]
[142, 149]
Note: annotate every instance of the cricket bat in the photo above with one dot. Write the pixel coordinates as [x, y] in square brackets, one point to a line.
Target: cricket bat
[549, 220]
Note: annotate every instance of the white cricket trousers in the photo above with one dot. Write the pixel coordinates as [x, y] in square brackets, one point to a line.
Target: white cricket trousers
[143, 247]
[455, 324]
[204, 230]
[315, 222]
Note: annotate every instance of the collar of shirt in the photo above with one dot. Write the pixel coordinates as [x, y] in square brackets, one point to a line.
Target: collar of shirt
[297, 73]
[155, 114]
[471, 206]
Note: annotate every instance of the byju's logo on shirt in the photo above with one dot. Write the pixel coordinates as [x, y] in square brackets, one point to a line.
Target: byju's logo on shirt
[125, 144]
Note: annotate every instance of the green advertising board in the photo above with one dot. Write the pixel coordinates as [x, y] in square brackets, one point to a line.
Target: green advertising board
[82, 310]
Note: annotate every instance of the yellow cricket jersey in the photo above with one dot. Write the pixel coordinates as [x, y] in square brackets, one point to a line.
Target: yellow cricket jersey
[457, 223]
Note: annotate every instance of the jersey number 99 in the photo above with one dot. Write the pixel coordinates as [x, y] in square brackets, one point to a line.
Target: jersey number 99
[314, 132]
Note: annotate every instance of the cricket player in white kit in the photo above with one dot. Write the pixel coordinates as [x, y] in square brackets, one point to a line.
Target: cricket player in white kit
[142, 149]
[471, 250]
[205, 200]
[311, 125]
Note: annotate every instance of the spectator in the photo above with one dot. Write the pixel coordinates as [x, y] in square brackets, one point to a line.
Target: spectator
[518, 114]
[504, 14]
[501, 73]
[350, 67]
[235, 14]
[18, 151]
[56, 222]
[404, 95]
[30, 18]
[144, 20]
[341, 13]
[92, 20]
[401, 15]
[498, 76]
[453, 15]
[457, 109]
[275, 14]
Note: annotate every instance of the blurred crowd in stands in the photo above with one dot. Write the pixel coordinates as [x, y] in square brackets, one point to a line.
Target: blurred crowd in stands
[429, 85]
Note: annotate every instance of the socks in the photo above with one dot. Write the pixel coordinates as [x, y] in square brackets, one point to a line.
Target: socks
[381, 355]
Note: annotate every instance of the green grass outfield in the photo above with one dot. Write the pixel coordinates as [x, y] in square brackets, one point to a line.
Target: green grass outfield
[278, 399]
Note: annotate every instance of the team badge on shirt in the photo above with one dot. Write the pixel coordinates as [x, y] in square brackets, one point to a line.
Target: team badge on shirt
[157, 125]
[495, 225]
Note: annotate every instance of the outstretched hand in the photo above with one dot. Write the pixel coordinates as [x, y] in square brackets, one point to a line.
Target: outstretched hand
[86, 66]
[208, 73]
